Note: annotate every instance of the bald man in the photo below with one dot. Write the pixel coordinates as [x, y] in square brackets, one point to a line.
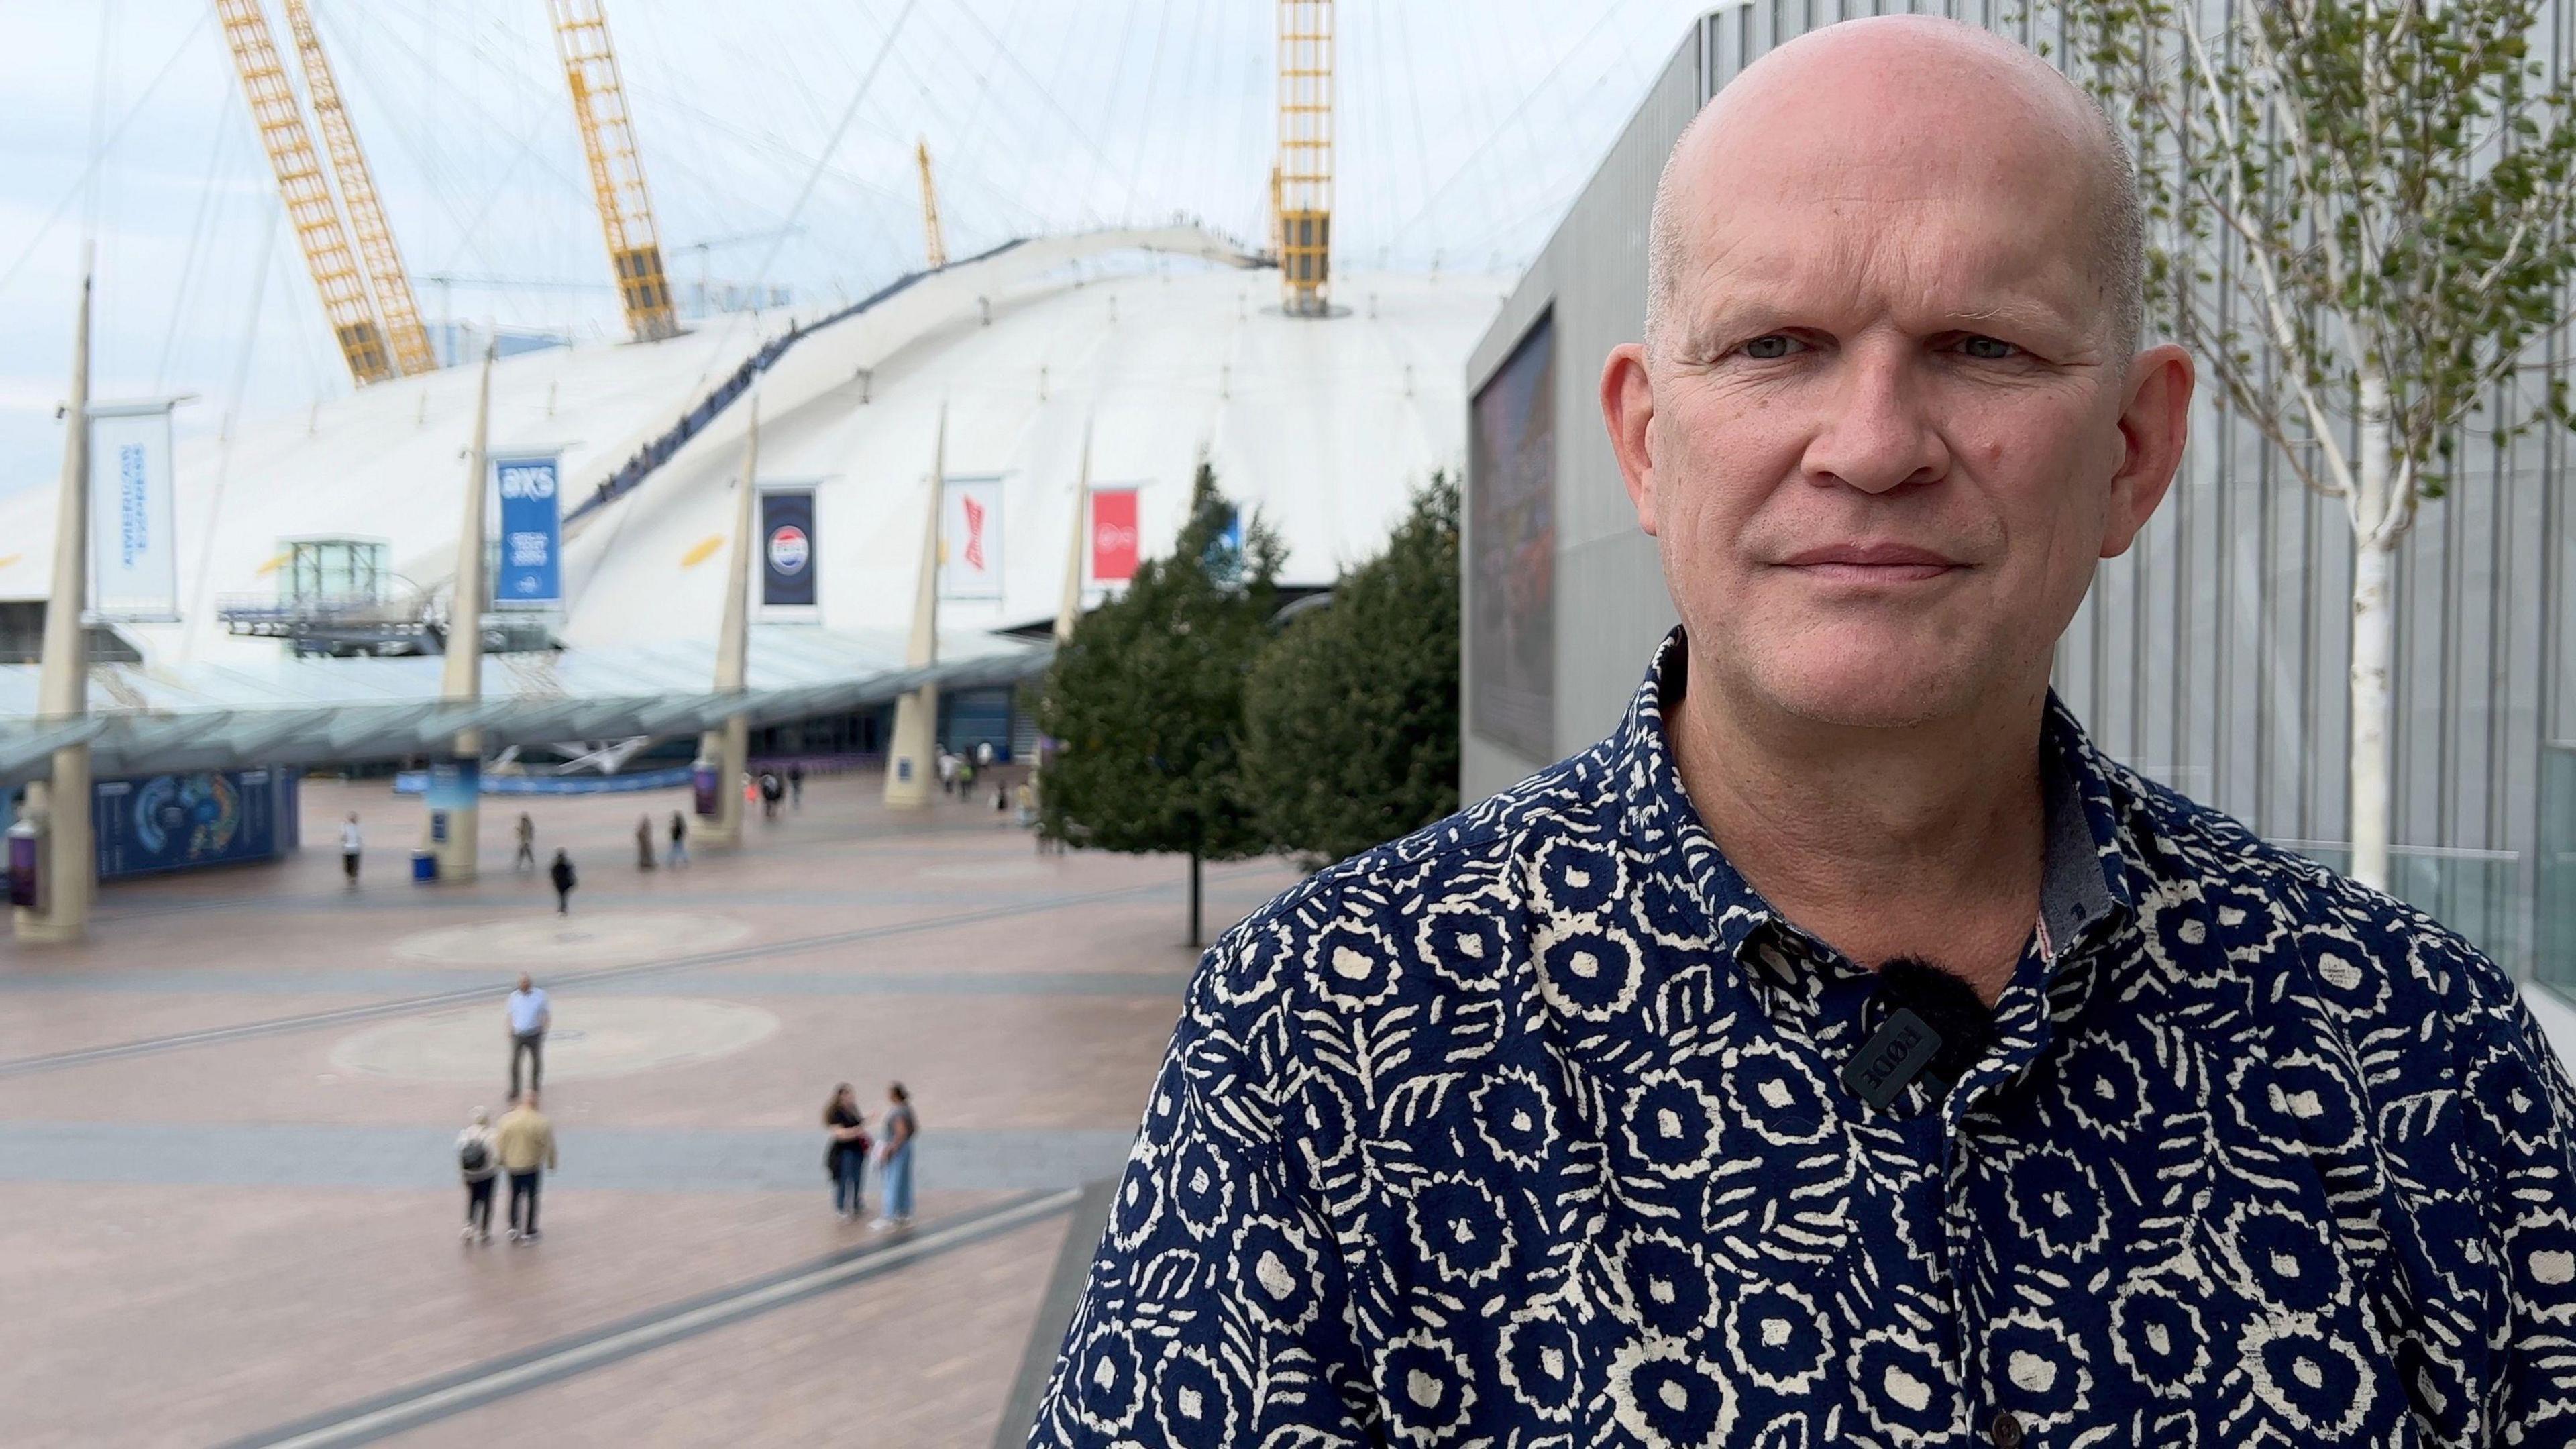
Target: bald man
[1845, 1052]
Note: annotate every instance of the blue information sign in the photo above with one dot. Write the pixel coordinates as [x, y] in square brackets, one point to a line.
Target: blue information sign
[180, 822]
[531, 571]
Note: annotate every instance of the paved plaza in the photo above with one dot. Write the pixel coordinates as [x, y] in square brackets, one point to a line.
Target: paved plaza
[228, 1196]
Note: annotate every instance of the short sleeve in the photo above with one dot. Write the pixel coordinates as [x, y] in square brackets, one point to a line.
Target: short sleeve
[1215, 1313]
[2522, 1115]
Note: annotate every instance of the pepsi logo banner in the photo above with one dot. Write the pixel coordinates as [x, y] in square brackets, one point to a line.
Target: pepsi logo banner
[1113, 535]
[787, 547]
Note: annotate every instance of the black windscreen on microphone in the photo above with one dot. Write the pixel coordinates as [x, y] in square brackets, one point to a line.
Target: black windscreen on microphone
[1936, 1026]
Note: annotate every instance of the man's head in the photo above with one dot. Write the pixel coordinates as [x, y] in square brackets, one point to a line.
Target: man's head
[1889, 412]
[527, 982]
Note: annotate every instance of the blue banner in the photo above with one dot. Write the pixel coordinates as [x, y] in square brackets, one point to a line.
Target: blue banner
[182, 822]
[531, 571]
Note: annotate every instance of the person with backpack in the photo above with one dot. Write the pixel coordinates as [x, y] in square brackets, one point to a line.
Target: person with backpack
[478, 1161]
[900, 1128]
[564, 880]
[845, 1160]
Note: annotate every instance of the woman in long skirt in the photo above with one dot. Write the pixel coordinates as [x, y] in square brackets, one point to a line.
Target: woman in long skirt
[896, 1163]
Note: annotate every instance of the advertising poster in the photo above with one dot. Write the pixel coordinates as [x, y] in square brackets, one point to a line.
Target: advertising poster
[182, 822]
[970, 539]
[134, 549]
[1511, 539]
[787, 547]
[531, 572]
[1113, 535]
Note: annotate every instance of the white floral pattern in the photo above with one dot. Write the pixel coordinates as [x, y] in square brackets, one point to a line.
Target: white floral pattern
[1526, 1131]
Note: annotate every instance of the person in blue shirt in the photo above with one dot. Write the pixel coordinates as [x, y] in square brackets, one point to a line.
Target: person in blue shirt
[531, 1014]
[1572, 1120]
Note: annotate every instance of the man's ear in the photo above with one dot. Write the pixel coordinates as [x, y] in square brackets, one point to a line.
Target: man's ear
[1628, 410]
[2155, 425]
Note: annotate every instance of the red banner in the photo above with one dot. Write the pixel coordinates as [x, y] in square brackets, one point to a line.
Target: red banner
[1113, 535]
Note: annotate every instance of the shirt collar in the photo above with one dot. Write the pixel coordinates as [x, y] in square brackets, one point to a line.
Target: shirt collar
[2085, 880]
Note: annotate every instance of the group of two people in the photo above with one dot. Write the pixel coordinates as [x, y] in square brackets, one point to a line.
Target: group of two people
[522, 1145]
[644, 840]
[848, 1144]
[560, 872]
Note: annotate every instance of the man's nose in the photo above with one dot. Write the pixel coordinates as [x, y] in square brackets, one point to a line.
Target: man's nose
[1876, 436]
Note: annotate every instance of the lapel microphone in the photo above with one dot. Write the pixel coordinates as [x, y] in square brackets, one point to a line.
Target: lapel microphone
[1936, 1028]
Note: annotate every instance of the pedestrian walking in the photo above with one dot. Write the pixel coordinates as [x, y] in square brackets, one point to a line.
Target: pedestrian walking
[526, 1145]
[679, 838]
[532, 1015]
[526, 859]
[1025, 797]
[796, 784]
[896, 1164]
[564, 880]
[947, 772]
[478, 1161]
[351, 843]
[644, 842]
[845, 1160]
[1001, 796]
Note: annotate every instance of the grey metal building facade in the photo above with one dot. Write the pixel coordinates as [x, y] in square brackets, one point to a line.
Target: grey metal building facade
[2212, 656]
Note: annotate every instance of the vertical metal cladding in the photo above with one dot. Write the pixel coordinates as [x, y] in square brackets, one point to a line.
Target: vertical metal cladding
[2212, 656]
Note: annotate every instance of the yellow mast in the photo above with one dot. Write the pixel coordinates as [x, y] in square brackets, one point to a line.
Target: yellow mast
[310, 206]
[616, 172]
[1304, 184]
[377, 253]
[934, 244]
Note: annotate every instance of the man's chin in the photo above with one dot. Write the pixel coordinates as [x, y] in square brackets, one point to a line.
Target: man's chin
[1890, 692]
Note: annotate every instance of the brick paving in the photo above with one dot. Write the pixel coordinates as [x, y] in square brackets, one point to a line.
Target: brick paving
[201, 1242]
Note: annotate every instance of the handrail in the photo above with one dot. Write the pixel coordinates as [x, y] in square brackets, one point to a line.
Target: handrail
[662, 449]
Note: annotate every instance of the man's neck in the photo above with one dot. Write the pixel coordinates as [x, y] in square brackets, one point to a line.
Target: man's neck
[1926, 841]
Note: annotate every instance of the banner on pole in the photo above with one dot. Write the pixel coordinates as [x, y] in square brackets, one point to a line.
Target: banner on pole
[531, 571]
[134, 547]
[787, 547]
[1113, 535]
[970, 539]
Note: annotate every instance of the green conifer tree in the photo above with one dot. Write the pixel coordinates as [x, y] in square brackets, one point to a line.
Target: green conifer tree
[1147, 698]
[1351, 715]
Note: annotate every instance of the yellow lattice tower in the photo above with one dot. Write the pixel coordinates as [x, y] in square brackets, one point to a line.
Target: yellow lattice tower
[934, 242]
[616, 172]
[1305, 177]
[310, 206]
[377, 253]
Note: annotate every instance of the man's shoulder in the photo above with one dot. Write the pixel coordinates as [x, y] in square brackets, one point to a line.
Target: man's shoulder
[1370, 927]
[2369, 958]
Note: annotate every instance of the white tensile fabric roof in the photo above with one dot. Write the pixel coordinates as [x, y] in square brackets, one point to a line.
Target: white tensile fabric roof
[1161, 343]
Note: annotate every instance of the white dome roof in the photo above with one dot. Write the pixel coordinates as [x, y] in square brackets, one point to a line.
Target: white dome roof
[1322, 426]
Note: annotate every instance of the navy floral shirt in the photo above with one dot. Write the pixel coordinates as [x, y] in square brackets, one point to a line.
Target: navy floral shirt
[1528, 1131]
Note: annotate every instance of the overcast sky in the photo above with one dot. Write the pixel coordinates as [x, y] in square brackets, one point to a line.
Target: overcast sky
[1464, 130]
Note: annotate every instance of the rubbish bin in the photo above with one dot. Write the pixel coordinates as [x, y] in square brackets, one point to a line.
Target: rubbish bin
[424, 866]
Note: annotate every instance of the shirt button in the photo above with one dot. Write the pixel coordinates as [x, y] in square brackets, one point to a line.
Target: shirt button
[2007, 1431]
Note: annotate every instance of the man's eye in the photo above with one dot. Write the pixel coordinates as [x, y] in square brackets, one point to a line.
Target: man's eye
[1766, 349]
[1988, 349]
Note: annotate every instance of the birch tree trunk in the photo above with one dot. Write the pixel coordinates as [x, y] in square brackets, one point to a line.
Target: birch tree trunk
[2374, 569]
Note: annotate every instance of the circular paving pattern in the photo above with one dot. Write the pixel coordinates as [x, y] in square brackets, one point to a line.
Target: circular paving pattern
[593, 1036]
[536, 941]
